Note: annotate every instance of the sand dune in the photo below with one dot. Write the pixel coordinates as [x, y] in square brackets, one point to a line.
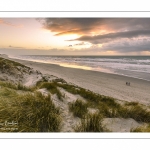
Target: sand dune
[99, 82]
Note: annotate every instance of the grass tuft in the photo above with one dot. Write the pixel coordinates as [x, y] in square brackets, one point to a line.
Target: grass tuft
[8, 64]
[142, 129]
[136, 112]
[18, 86]
[52, 87]
[33, 112]
[92, 123]
[89, 95]
[78, 108]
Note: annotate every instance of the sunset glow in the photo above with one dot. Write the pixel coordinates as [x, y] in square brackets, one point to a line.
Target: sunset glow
[75, 36]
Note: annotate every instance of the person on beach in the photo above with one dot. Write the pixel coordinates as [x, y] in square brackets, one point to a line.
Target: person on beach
[128, 83]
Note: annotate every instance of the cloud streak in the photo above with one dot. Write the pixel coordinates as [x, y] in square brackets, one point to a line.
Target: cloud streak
[128, 45]
[63, 26]
[86, 26]
[16, 47]
[99, 39]
[9, 24]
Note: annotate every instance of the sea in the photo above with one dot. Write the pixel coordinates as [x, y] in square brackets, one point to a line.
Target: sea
[132, 66]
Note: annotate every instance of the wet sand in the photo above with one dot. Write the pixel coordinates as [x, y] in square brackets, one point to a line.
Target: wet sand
[103, 83]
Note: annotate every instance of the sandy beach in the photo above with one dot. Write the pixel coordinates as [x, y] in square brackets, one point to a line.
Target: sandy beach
[74, 74]
[70, 92]
[103, 83]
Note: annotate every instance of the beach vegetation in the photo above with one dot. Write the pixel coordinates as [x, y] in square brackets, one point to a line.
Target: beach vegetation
[108, 107]
[91, 123]
[33, 112]
[89, 95]
[137, 112]
[144, 128]
[51, 86]
[8, 64]
[17, 86]
[79, 108]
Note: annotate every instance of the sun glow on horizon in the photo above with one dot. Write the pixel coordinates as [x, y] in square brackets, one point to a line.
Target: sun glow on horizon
[75, 35]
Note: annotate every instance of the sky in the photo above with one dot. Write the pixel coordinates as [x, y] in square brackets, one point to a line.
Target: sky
[75, 36]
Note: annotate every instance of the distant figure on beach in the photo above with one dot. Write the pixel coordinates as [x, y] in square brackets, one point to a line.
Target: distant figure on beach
[128, 83]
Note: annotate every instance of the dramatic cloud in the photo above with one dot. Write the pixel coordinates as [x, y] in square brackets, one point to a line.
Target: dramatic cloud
[115, 34]
[128, 45]
[86, 26]
[70, 25]
[99, 39]
[94, 36]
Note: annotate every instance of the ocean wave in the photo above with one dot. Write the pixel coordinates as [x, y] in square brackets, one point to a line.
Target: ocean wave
[109, 64]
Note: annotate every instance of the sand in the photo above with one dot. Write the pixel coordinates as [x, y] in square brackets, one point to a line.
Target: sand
[98, 82]
[103, 83]
[121, 124]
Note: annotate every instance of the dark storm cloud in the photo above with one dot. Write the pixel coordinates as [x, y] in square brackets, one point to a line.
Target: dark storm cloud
[86, 25]
[73, 31]
[124, 46]
[116, 34]
[69, 25]
[99, 39]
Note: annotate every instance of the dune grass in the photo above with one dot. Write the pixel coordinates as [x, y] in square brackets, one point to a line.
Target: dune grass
[9, 64]
[91, 123]
[36, 113]
[108, 107]
[52, 87]
[142, 129]
[136, 112]
[78, 108]
[8, 84]
[133, 110]
[18, 86]
[70, 88]
[87, 94]
[33, 112]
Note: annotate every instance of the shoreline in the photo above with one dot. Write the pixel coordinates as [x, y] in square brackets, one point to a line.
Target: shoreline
[89, 68]
[69, 95]
[107, 84]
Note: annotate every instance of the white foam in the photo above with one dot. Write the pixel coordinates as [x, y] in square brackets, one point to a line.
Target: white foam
[120, 65]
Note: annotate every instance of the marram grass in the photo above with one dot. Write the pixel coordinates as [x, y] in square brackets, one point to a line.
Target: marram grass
[108, 107]
[52, 87]
[78, 108]
[91, 123]
[18, 86]
[33, 112]
[144, 128]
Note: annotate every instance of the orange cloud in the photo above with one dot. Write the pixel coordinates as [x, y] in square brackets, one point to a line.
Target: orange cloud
[10, 24]
[80, 26]
[93, 26]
